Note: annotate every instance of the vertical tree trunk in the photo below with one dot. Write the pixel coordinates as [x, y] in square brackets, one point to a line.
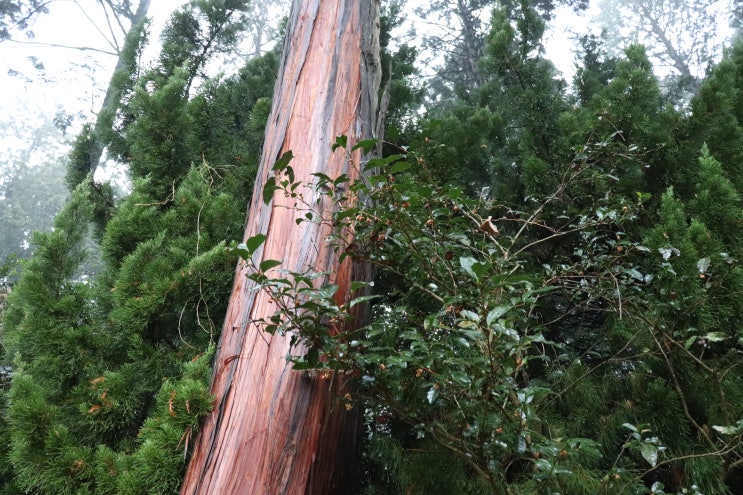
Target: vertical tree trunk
[275, 431]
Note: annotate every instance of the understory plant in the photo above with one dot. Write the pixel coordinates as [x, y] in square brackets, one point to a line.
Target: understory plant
[561, 348]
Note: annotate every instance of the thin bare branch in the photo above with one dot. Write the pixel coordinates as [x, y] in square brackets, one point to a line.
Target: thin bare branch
[110, 27]
[59, 45]
[103, 35]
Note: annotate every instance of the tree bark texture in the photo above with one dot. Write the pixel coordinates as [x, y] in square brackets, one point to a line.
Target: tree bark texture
[275, 431]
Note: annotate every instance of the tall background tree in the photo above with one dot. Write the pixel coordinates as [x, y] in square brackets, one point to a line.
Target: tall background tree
[682, 37]
[455, 36]
[31, 182]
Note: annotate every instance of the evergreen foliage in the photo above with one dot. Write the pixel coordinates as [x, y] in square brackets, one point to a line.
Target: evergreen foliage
[111, 372]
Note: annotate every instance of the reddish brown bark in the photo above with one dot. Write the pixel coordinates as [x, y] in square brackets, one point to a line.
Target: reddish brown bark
[275, 430]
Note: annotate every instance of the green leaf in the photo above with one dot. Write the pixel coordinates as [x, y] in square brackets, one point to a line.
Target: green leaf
[367, 145]
[667, 252]
[361, 299]
[399, 167]
[432, 395]
[496, 313]
[349, 212]
[268, 264]
[241, 250]
[470, 315]
[342, 179]
[430, 322]
[543, 465]
[255, 242]
[716, 336]
[322, 178]
[474, 268]
[703, 265]
[358, 284]
[461, 377]
[466, 262]
[521, 444]
[340, 142]
[726, 430]
[328, 291]
[375, 163]
[649, 452]
[630, 427]
[268, 189]
[283, 162]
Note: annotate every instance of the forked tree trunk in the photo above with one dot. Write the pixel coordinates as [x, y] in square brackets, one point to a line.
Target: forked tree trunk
[275, 431]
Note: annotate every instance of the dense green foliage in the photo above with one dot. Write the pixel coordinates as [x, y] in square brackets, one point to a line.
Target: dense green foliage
[591, 344]
[557, 296]
[111, 369]
[557, 285]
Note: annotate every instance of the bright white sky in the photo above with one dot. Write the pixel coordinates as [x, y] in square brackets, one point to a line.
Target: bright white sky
[72, 80]
[76, 80]
[79, 77]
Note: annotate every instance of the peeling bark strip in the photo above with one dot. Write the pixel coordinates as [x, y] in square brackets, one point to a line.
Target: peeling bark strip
[275, 431]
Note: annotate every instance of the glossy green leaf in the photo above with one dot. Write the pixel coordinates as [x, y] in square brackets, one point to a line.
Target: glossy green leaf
[398, 167]
[255, 242]
[496, 313]
[703, 265]
[268, 264]
[716, 336]
[268, 189]
[340, 142]
[283, 162]
[367, 145]
[649, 452]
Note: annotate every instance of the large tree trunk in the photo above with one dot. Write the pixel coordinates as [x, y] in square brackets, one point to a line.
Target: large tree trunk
[275, 431]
